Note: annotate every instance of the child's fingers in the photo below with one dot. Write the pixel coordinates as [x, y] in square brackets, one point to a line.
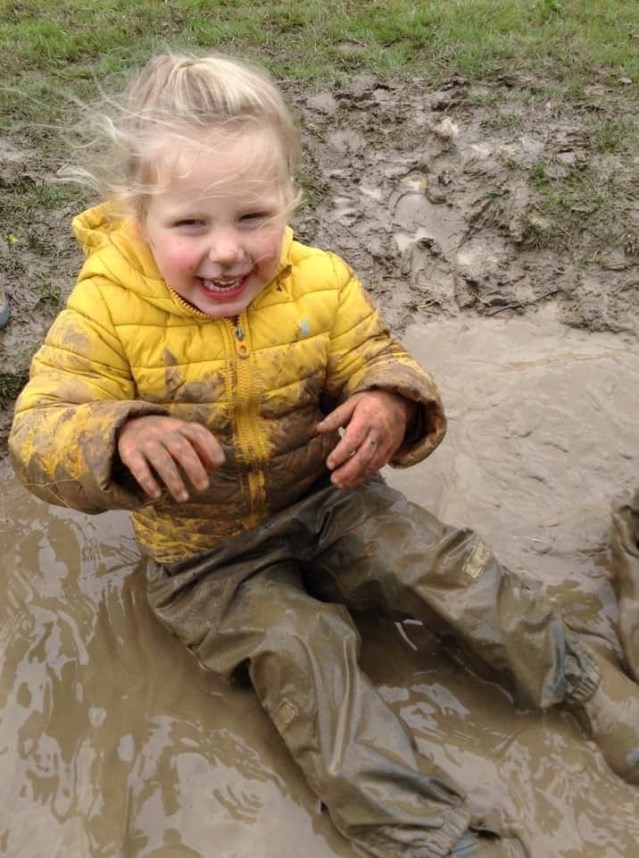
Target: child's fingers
[206, 445]
[162, 451]
[374, 424]
[353, 443]
[192, 451]
[372, 454]
[154, 465]
[339, 417]
[137, 464]
[164, 463]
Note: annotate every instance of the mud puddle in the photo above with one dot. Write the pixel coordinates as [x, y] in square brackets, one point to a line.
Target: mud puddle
[114, 743]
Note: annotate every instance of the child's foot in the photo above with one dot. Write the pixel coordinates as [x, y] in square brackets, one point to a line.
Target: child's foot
[611, 718]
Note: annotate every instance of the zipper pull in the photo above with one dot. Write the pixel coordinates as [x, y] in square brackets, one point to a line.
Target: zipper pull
[237, 329]
[241, 348]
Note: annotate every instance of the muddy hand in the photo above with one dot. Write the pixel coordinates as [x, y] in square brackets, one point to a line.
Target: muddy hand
[374, 424]
[160, 451]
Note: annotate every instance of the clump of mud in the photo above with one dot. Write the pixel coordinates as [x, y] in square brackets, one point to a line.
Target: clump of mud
[465, 200]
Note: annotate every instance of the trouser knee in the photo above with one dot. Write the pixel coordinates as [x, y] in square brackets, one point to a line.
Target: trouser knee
[303, 651]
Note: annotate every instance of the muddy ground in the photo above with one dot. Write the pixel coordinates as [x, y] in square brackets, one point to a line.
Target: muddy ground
[490, 200]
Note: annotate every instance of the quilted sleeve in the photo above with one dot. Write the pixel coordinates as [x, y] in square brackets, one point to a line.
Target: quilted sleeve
[63, 437]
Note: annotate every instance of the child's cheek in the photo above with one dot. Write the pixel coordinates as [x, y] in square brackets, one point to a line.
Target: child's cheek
[178, 258]
[270, 242]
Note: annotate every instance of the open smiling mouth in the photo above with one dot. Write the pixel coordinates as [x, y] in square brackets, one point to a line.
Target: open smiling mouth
[222, 287]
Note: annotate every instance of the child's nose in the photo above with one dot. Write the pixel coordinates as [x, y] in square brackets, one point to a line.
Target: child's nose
[225, 247]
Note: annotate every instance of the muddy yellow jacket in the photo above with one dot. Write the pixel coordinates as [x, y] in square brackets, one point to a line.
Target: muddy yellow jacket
[126, 345]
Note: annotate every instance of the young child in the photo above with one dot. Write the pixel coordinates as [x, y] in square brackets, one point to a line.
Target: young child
[238, 392]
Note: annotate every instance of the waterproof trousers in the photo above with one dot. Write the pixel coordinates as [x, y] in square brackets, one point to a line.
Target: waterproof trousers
[275, 601]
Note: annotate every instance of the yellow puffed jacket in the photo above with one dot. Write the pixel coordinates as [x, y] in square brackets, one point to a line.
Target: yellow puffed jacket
[126, 344]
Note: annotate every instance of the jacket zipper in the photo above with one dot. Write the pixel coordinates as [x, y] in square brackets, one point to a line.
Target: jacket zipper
[251, 438]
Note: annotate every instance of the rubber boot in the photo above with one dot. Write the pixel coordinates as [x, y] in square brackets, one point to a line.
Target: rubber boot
[611, 719]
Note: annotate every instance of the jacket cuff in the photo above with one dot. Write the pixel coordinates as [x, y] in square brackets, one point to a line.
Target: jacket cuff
[427, 427]
[111, 484]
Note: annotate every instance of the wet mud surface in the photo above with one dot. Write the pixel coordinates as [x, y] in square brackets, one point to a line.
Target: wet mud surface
[114, 743]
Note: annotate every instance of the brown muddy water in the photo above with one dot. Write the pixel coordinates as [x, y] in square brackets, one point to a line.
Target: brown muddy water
[114, 743]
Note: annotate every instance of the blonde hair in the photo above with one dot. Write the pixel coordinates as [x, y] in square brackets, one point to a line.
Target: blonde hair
[183, 98]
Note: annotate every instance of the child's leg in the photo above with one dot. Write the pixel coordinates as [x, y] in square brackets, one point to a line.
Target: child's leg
[375, 548]
[624, 544]
[302, 657]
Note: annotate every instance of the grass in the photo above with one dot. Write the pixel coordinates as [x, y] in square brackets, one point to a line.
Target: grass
[614, 135]
[567, 200]
[78, 42]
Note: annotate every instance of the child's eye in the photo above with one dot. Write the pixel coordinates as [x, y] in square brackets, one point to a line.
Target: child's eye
[251, 217]
[188, 223]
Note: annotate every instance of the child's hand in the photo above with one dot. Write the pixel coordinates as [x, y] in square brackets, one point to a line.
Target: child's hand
[160, 451]
[375, 425]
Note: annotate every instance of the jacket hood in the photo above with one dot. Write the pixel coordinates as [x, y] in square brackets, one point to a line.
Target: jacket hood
[115, 249]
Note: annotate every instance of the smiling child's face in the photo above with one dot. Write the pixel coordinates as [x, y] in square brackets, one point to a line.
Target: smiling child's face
[216, 228]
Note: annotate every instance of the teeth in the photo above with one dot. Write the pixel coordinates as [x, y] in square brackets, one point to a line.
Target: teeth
[221, 285]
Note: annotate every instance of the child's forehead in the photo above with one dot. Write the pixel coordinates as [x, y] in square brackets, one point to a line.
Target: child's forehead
[219, 161]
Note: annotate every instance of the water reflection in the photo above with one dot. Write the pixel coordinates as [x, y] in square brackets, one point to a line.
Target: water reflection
[114, 743]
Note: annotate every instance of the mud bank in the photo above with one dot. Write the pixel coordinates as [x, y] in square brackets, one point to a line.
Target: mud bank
[116, 744]
[477, 199]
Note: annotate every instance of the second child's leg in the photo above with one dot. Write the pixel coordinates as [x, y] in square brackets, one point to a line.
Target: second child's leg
[624, 550]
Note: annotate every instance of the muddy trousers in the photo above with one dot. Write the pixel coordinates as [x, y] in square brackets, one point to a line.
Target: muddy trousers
[274, 601]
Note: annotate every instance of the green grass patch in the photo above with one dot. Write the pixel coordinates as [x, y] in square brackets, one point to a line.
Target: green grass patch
[73, 41]
[612, 135]
[568, 201]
